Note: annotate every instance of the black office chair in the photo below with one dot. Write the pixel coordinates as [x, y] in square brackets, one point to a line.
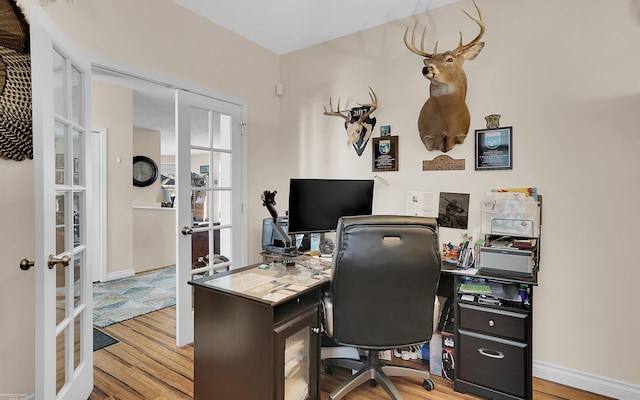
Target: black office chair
[383, 286]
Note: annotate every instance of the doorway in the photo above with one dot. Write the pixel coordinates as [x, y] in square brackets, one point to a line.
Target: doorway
[139, 118]
[142, 220]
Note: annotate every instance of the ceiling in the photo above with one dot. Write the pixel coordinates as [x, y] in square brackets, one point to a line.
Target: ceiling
[281, 26]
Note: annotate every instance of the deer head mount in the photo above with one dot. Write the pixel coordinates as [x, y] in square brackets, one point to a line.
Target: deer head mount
[357, 121]
[444, 119]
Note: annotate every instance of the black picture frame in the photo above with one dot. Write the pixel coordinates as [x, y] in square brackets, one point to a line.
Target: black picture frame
[494, 148]
[385, 154]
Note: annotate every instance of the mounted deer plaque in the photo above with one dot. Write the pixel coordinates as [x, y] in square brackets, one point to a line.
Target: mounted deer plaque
[444, 119]
[358, 122]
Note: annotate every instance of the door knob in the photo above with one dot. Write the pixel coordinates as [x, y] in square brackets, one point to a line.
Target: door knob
[26, 264]
[187, 230]
[52, 261]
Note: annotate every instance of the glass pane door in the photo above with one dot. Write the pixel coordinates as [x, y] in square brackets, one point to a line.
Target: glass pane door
[63, 337]
[209, 195]
[70, 205]
[211, 189]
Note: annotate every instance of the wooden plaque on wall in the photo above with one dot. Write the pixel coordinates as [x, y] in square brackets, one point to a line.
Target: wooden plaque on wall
[443, 163]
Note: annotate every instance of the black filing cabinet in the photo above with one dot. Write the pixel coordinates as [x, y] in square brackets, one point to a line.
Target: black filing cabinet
[493, 351]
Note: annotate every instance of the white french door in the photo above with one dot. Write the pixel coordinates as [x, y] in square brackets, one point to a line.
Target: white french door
[210, 218]
[64, 222]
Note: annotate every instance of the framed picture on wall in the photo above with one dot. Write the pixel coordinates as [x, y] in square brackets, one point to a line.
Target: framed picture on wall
[494, 148]
[385, 153]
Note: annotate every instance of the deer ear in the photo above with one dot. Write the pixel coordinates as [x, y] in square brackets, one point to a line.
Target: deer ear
[426, 61]
[473, 51]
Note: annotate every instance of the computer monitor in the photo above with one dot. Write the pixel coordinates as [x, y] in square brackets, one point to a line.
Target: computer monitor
[315, 205]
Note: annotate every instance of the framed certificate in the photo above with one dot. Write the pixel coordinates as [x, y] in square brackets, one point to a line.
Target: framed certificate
[385, 153]
[494, 148]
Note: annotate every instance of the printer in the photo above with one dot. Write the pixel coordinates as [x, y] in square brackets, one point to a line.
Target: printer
[515, 256]
[511, 222]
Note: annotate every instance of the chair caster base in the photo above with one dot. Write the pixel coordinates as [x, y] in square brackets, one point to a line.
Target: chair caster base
[428, 384]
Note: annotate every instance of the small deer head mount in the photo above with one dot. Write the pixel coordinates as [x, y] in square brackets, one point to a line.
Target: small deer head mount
[358, 122]
[444, 119]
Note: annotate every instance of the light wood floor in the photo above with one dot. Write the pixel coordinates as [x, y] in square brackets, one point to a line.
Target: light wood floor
[146, 364]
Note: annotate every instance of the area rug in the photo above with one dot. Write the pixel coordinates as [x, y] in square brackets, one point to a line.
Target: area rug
[102, 340]
[125, 298]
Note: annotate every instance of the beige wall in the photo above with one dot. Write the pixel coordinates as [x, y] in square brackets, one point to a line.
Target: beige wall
[154, 238]
[112, 108]
[564, 75]
[16, 286]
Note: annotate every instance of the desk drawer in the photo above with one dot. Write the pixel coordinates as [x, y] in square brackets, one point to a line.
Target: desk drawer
[494, 322]
[493, 363]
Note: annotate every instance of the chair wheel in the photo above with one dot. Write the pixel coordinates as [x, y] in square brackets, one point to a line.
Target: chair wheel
[428, 384]
[373, 383]
[328, 369]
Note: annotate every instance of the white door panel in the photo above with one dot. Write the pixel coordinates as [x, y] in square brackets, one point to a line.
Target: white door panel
[209, 195]
[64, 229]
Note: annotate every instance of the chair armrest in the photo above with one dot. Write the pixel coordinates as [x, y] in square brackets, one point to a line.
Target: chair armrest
[327, 315]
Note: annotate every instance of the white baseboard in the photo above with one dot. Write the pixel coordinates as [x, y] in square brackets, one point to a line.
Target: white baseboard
[120, 274]
[585, 381]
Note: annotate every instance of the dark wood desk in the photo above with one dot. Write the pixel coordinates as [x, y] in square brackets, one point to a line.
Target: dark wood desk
[256, 332]
[493, 342]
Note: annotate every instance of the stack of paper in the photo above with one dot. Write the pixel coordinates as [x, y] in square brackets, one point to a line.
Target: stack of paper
[475, 288]
[510, 213]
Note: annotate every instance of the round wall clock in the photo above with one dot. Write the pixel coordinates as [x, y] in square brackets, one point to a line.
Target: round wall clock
[145, 171]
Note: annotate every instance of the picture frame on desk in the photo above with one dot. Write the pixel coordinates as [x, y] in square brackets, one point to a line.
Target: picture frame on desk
[494, 148]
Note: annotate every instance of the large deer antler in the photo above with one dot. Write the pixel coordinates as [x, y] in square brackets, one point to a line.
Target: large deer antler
[335, 113]
[412, 46]
[372, 106]
[480, 22]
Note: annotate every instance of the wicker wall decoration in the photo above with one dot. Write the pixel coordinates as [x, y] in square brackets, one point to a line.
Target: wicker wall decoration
[15, 84]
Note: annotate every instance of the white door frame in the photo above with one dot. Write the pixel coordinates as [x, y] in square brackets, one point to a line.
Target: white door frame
[98, 146]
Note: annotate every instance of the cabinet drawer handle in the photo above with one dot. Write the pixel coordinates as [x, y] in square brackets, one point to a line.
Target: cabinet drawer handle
[491, 353]
[491, 323]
